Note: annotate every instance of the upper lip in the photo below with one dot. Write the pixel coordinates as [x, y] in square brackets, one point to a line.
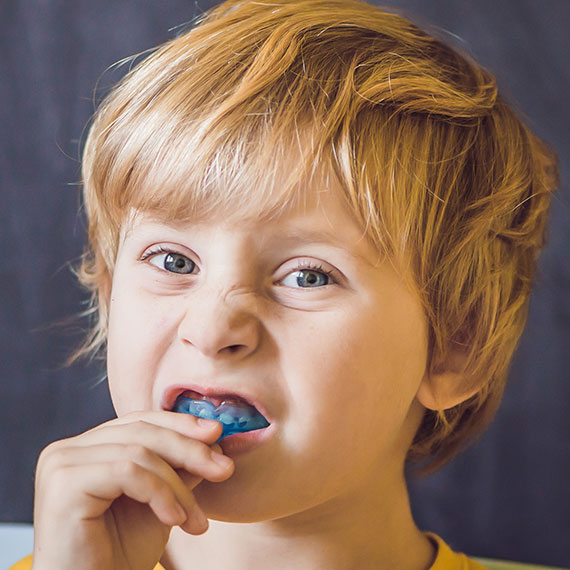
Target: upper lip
[173, 391]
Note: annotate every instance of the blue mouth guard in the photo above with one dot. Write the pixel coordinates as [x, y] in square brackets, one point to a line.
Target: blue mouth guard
[234, 417]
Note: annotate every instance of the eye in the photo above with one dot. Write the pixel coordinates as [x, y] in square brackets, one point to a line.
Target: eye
[308, 277]
[173, 262]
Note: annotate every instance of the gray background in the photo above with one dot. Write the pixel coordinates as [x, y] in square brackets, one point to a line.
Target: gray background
[506, 497]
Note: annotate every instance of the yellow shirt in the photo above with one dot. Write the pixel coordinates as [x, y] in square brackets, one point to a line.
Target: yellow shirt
[26, 564]
[445, 559]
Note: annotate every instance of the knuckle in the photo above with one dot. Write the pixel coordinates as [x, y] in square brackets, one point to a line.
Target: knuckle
[50, 449]
[138, 452]
[160, 490]
[203, 454]
[53, 455]
[43, 459]
[140, 423]
[137, 416]
[140, 428]
[126, 468]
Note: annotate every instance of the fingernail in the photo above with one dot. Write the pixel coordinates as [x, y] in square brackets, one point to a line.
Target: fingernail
[221, 459]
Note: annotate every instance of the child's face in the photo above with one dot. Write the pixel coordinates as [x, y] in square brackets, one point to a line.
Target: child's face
[300, 316]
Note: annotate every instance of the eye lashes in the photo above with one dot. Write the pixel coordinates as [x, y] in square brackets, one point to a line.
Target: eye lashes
[304, 266]
[156, 249]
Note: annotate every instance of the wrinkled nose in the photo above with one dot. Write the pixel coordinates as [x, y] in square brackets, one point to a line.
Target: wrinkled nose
[221, 326]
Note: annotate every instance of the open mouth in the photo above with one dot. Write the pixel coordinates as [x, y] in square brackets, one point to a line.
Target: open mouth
[235, 415]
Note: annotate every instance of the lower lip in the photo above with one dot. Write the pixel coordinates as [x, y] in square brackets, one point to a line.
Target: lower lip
[239, 443]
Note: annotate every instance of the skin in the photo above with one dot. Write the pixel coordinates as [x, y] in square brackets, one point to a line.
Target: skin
[335, 366]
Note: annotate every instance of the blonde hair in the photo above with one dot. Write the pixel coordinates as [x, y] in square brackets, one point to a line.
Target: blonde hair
[445, 178]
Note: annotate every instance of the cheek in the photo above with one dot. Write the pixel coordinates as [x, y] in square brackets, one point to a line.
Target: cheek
[138, 337]
[392, 351]
[357, 371]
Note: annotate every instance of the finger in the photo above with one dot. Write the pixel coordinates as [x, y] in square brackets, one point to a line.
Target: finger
[192, 481]
[112, 452]
[178, 450]
[57, 478]
[151, 489]
[207, 431]
[86, 491]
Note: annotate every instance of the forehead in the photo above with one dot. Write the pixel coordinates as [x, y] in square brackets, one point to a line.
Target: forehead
[317, 214]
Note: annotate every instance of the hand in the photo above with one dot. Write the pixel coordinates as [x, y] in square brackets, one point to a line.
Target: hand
[109, 497]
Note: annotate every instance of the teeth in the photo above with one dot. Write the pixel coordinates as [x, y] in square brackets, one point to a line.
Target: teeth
[217, 401]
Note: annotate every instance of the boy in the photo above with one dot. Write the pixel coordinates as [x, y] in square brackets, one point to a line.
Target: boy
[313, 210]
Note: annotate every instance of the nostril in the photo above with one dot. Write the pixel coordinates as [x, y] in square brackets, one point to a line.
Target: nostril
[234, 347]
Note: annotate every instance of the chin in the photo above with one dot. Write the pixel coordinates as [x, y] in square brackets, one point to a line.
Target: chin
[235, 500]
[242, 502]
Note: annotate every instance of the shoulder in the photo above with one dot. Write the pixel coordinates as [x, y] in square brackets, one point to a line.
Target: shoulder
[26, 564]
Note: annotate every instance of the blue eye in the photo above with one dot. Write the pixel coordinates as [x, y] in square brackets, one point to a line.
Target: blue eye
[178, 263]
[173, 262]
[307, 278]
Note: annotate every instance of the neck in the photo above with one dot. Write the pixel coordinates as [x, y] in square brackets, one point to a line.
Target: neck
[362, 530]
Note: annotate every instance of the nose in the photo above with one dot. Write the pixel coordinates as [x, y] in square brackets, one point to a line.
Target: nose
[222, 325]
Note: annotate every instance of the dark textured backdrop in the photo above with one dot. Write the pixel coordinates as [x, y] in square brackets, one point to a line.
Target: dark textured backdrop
[505, 497]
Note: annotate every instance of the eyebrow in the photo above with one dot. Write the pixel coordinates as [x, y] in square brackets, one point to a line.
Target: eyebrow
[303, 236]
[328, 238]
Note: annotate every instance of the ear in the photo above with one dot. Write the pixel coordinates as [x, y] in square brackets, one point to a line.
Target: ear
[447, 384]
